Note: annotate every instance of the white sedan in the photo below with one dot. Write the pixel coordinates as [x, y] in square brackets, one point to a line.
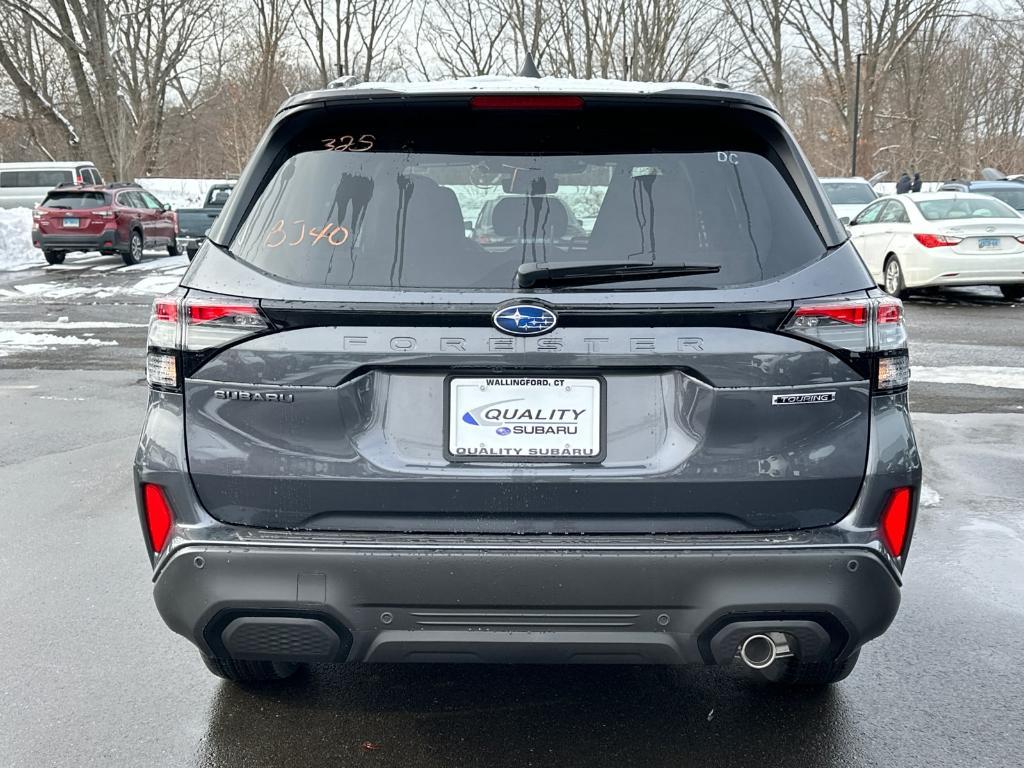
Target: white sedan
[929, 239]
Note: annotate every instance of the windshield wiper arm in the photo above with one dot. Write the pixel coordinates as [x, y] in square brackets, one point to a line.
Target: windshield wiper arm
[534, 273]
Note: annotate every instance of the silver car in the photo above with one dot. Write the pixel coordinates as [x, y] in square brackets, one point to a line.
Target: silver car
[680, 437]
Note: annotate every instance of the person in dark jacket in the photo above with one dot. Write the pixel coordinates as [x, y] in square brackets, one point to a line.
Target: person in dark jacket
[904, 184]
[915, 186]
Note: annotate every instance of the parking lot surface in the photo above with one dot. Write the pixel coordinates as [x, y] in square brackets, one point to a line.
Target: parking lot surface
[93, 678]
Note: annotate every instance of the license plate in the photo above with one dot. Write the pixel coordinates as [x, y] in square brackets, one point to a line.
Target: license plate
[525, 418]
[70, 223]
[988, 242]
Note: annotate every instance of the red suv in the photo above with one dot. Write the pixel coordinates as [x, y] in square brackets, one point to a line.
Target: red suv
[118, 218]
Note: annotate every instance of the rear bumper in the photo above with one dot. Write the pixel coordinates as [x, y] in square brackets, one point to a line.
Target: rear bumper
[190, 242]
[252, 592]
[969, 270]
[106, 240]
[516, 603]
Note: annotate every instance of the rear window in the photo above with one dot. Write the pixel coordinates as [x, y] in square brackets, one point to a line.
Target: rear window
[848, 193]
[965, 208]
[468, 196]
[1012, 197]
[34, 178]
[73, 199]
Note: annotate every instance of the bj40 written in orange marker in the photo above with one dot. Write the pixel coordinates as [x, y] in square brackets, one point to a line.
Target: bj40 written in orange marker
[278, 235]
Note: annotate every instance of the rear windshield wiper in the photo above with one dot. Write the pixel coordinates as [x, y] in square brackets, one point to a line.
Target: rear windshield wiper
[533, 273]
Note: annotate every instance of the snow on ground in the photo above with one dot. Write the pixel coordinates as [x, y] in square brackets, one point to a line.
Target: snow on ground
[16, 251]
[63, 324]
[979, 375]
[180, 193]
[930, 497]
[63, 291]
[16, 341]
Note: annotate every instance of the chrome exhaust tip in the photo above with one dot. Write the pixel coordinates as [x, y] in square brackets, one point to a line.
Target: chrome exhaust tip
[760, 651]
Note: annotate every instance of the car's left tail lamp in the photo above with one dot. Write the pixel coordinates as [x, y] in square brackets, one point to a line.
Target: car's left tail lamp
[186, 330]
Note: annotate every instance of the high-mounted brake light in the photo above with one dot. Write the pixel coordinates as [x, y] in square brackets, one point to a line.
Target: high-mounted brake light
[527, 101]
[896, 520]
[869, 328]
[937, 241]
[159, 518]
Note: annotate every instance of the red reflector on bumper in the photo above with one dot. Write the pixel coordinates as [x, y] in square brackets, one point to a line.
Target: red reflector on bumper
[896, 520]
[158, 515]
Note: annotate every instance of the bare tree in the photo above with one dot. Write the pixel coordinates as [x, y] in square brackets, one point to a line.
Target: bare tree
[762, 26]
[464, 38]
[836, 31]
[333, 43]
[121, 57]
[353, 37]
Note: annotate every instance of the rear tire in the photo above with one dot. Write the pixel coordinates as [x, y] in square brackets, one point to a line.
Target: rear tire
[794, 672]
[53, 257]
[241, 671]
[894, 283]
[1013, 292]
[173, 249]
[134, 253]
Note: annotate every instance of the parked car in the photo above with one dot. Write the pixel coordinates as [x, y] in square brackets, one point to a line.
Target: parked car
[24, 185]
[685, 440]
[194, 223]
[848, 196]
[931, 239]
[120, 218]
[1010, 192]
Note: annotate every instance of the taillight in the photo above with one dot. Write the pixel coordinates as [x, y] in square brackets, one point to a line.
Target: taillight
[36, 214]
[103, 214]
[217, 322]
[183, 331]
[843, 324]
[937, 241]
[895, 521]
[526, 101]
[159, 518]
[871, 329]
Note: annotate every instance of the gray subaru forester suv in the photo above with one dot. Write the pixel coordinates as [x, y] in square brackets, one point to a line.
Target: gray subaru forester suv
[676, 432]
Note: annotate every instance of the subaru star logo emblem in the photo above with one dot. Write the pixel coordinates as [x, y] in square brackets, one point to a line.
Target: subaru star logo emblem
[524, 320]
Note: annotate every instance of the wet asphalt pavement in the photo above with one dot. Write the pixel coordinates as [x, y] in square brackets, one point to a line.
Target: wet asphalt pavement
[93, 678]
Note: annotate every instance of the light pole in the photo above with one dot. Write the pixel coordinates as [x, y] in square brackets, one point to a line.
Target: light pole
[856, 117]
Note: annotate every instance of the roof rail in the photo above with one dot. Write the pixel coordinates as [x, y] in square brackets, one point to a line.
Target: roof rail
[63, 184]
[344, 81]
[716, 82]
[121, 184]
